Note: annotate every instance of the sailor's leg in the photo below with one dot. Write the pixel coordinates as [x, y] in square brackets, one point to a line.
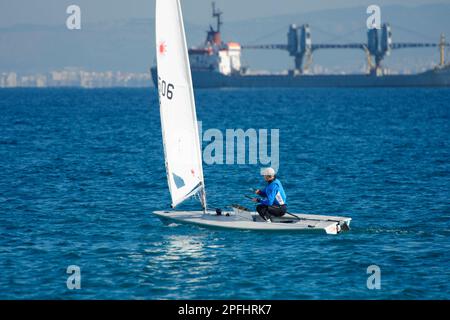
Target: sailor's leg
[276, 211]
[262, 210]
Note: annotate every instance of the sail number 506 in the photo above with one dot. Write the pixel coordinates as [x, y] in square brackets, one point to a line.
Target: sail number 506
[165, 89]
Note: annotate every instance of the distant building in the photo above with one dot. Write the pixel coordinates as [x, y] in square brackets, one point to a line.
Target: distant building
[76, 77]
[41, 81]
[38, 80]
[68, 77]
[8, 80]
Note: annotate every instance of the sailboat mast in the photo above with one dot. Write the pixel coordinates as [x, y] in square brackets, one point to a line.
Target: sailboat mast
[192, 104]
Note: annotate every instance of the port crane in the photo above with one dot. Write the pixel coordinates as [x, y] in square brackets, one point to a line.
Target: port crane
[379, 45]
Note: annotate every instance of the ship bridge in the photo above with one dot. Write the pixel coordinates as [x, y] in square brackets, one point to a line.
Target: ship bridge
[379, 45]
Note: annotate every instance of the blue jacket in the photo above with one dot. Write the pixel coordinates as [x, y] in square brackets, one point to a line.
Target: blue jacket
[273, 194]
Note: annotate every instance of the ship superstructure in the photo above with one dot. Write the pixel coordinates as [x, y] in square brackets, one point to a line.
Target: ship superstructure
[215, 55]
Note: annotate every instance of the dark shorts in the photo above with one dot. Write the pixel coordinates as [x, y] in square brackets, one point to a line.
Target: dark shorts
[266, 211]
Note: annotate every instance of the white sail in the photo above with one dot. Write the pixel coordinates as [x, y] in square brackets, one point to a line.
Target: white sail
[177, 106]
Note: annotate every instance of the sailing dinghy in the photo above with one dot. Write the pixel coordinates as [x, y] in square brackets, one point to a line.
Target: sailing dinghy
[182, 149]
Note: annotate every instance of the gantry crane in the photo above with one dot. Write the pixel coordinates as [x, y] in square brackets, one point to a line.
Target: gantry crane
[379, 45]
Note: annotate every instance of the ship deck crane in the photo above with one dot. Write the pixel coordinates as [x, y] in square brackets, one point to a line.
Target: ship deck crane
[379, 45]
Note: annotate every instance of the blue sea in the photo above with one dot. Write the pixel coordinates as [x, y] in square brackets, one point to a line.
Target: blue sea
[82, 170]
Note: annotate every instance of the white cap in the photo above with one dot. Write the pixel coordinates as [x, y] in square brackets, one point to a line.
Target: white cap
[268, 172]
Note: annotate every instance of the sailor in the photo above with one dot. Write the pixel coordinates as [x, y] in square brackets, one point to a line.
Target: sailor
[273, 201]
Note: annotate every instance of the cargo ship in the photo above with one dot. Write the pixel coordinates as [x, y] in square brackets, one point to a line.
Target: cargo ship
[217, 64]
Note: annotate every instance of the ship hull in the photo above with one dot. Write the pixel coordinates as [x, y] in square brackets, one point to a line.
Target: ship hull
[208, 79]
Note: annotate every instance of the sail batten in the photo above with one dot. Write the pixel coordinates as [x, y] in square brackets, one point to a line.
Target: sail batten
[182, 149]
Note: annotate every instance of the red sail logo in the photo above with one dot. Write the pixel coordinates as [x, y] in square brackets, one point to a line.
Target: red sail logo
[162, 48]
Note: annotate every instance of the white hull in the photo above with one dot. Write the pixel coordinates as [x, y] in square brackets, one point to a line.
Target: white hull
[251, 221]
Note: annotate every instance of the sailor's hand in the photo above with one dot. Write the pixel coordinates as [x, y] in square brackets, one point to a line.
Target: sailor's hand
[257, 191]
[255, 199]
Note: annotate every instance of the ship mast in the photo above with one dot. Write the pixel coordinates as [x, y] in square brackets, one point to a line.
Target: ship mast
[217, 14]
[213, 37]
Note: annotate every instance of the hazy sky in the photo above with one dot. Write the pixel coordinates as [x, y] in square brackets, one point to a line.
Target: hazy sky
[130, 46]
[51, 12]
